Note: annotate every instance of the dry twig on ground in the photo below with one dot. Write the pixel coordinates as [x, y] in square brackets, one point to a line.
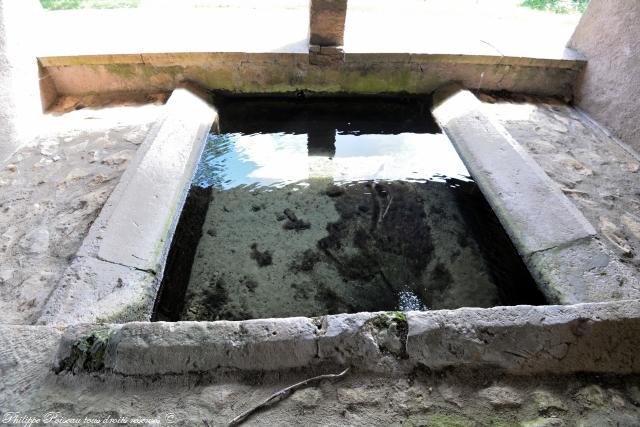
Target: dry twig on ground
[283, 394]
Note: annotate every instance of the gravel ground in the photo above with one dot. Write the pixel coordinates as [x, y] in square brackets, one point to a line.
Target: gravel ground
[452, 399]
[52, 189]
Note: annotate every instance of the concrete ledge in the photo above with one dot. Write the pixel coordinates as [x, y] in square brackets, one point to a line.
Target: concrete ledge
[92, 290]
[600, 338]
[557, 242]
[161, 348]
[555, 339]
[114, 277]
[571, 61]
[531, 207]
[138, 226]
[289, 72]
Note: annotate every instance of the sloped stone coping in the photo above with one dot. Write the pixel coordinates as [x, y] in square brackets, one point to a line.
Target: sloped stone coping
[114, 275]
[597, 338]
[558, 244]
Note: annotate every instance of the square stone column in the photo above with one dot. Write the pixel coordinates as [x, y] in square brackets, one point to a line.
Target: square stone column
[327, 31]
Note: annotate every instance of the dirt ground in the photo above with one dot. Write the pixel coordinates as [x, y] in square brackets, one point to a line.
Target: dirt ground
[601, 177]
[52, 189]
[448, 399]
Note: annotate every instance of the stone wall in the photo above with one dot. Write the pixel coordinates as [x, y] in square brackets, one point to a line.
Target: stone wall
[358, 73]
[609, 89]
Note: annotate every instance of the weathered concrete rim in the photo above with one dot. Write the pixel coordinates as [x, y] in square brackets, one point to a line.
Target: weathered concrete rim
[114, 276]
[596, 338]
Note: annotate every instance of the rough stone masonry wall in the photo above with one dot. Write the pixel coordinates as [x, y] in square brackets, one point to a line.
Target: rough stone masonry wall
[609, 89]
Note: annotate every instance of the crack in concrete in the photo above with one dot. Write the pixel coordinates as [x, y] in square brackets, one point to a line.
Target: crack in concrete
[564, 245]
[149, 271]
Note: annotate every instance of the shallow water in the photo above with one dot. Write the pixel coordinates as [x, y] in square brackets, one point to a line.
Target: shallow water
[279, 159]
[335, 208]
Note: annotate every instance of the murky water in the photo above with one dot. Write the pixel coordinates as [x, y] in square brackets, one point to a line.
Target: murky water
[335, 207]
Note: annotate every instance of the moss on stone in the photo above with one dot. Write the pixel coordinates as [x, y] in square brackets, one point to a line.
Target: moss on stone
[88, 353]
[125, 71]
[381, 321]
[399, 316]
[385, 320]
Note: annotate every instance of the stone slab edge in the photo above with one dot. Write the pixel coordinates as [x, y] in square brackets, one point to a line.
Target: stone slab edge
[541, 221]
[597, 338]
[115, 274]
[570, 59]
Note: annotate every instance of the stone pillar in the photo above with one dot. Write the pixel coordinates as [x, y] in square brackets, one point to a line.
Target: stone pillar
[609, 89]
[20, 82]
[326, 31]
[321, 146]
[321, 141]
[7, 107]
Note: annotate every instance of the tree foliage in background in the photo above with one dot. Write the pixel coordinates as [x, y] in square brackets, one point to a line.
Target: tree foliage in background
[88, 4]
[557, 6]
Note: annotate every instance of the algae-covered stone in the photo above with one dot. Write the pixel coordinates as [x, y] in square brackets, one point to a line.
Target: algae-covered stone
[390, 332]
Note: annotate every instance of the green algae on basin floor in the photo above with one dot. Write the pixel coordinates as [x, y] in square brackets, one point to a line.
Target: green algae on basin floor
[331, 208]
